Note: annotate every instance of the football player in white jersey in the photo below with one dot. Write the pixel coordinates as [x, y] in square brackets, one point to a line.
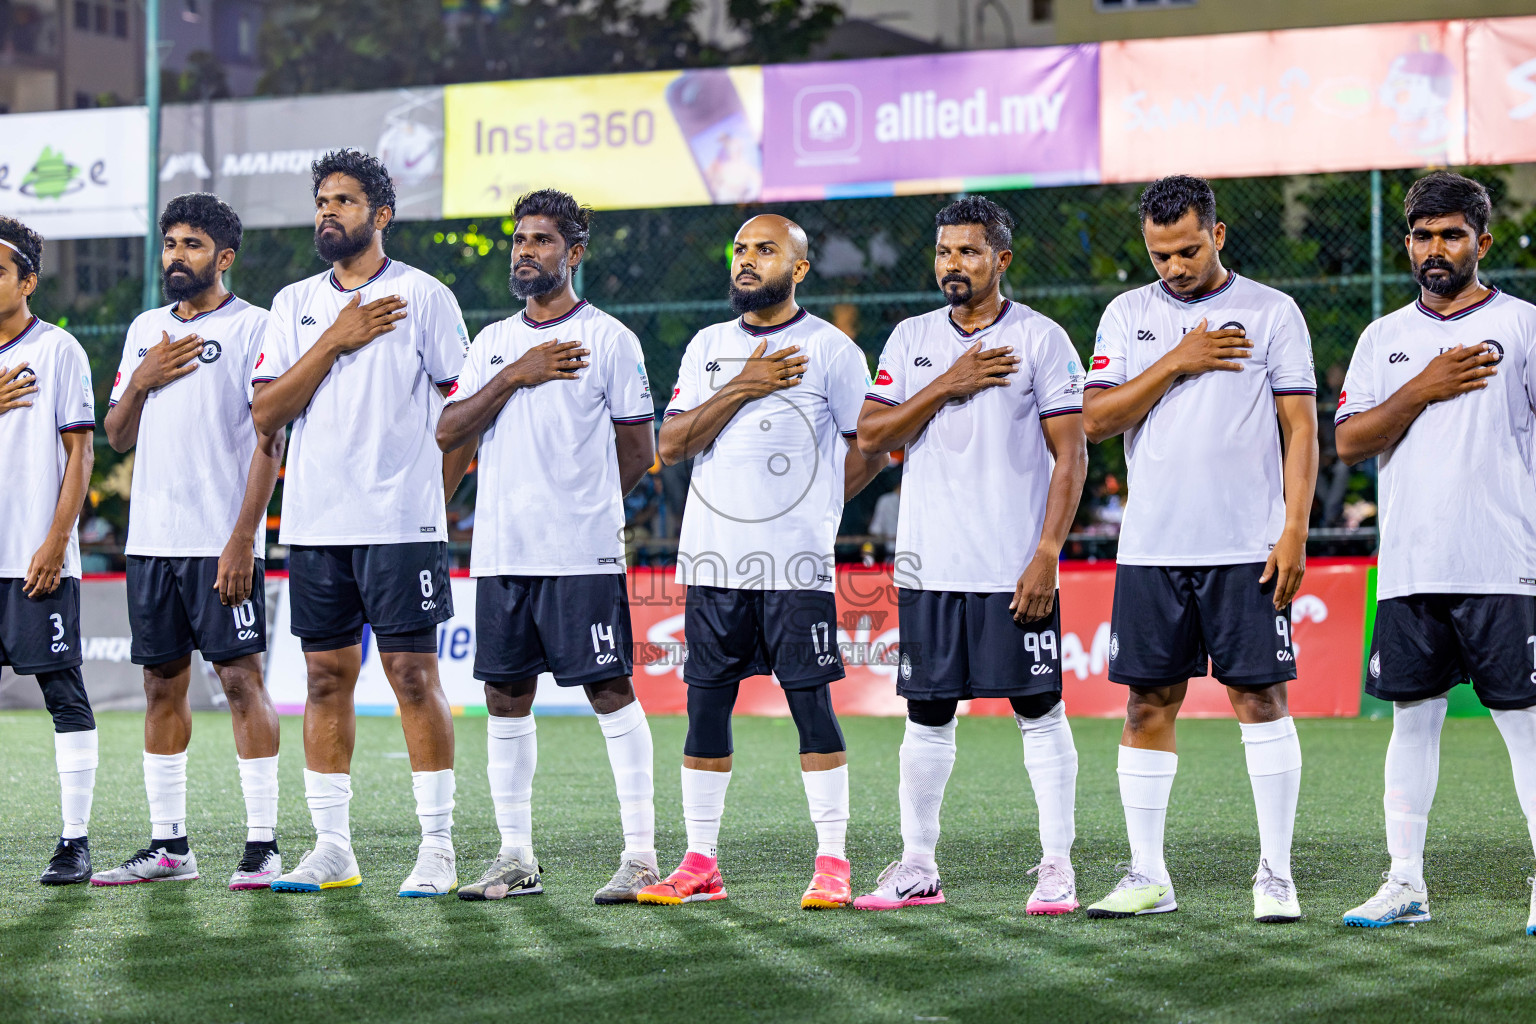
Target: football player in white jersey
[559, 399]
[771, 435]
[358, 360]
[46, 433]
[197, 534]
[1442, 391]
[986, 395]
[1209, 377]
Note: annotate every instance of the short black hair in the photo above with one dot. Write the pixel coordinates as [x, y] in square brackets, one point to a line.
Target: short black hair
[368, 171]
[29, 257]
[997, 221]
[573, 219]
[1167, 200]
[1441, 193]
[205, 212]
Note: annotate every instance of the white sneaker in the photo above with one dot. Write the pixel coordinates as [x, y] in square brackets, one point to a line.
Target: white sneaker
[902, 885]
[1274, 898]
[259, 868]
[434, 874]
[1396, 902]
[1055, 889]
[156, 865]
[327, 866]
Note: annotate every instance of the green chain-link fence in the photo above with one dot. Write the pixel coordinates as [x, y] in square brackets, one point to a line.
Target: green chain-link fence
[664, 272]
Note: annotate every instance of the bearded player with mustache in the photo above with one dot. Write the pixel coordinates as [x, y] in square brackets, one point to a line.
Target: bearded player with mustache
[1443, 392]
[202, 477]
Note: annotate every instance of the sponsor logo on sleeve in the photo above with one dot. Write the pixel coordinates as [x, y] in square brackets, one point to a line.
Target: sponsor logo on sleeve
[453, 390]
[1100, 362]
[883, 377]
[645, 382]
[118, 379]
[259, 359]
[1343, 397]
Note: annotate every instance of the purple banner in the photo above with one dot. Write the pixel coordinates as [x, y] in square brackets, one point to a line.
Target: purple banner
[873, 127]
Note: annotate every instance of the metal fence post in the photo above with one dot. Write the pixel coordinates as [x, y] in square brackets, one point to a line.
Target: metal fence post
[151, 293]
[1375, 245]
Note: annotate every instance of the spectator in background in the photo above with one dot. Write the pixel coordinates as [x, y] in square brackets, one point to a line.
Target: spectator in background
[882, 525]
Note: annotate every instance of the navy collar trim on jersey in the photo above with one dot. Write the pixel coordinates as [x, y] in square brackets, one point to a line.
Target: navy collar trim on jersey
[377, 274]
[1493, 292]
[759, 332]
[208, 312]
[1231, 276]
[531, 322]
[1007, 305]
[31, 326]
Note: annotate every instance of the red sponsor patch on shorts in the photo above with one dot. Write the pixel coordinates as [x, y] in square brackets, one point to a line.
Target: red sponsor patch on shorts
[1100, 362]
[883, 377]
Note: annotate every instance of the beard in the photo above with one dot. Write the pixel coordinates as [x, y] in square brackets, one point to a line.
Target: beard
[545, 282]
[1457, 276]
[335, 248]
[181, 282]
[767, 293]
[957, 296]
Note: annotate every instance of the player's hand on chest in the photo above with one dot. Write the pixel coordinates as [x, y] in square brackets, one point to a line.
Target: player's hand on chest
[544, 362]
[359, 323]
[1443, 372]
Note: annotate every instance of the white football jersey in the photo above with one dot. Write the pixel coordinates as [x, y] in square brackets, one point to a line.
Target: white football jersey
[1204, 468]
[34, 453]
[548, 501]
[1456, 494]
[363, 461]
[767, 494]
[196, 436]
[975, 480]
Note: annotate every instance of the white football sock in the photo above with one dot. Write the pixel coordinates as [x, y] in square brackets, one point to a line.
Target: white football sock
[1274, 770]
[827, 794]
[329, 795]
[703, 807]
[1519, 731]
[1413, 771]
[1146, 780]
[927, 758]
[75, 757]
[165, 783]
[512, 756]
[258, 782]
[630, 756]
[434, 807]
[1050, 758]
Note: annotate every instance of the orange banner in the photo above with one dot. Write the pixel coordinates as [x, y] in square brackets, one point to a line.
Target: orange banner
[1296, 102]
[1501, 89]
[1328, 623]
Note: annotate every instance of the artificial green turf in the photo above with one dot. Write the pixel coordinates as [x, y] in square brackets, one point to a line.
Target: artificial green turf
[196, 952]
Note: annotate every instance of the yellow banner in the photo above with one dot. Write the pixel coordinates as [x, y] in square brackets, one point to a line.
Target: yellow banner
[665, 138]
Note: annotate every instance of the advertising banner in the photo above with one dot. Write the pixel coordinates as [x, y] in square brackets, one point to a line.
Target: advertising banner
[946, 123]
[665, 138]
[256, 154]
[76, 173]
[1327, 620]
[1501, 91]
[1296, 102]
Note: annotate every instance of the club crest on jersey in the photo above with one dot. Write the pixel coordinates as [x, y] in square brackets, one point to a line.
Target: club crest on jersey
[211, 352]
[25, 373]
[1231, 325]
[1496, 349]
